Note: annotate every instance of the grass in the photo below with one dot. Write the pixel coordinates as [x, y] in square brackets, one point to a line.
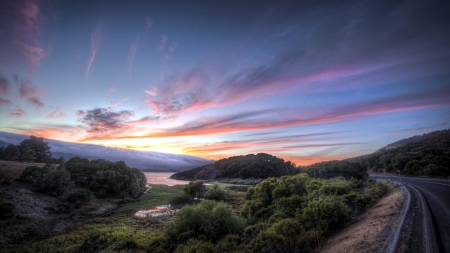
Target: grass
[157, 195]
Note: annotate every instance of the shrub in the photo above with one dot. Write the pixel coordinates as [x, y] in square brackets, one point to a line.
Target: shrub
[125, 244]
[181, 200]
[209, 220]
[55, 183]
[194, 189]
[74, 199]
[283, 236]
[327, 214]
[216, 193]
[34, 173]
[196, 246]
[6, 210]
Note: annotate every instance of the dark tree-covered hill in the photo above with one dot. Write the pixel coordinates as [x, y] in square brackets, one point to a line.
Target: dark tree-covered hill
[335, 168]
[260, 165]
[425, 155]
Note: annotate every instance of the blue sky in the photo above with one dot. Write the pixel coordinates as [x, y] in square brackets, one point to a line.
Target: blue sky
[304, 81]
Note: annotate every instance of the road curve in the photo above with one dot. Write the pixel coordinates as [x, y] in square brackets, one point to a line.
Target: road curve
[435, 195]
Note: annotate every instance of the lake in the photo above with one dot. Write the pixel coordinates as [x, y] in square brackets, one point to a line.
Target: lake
[163, 178]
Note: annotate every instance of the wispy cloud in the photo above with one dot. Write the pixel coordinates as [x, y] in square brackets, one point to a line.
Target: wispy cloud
[36, 101]
[95, 43]
[4, 87]
[148, 25]
[132, 54]
[112, 89]
[56, 113]
[16, 113]
[30, 92]
[251, 121]
[32, 55]
[4, 102]
[29, 18]
[163, 43]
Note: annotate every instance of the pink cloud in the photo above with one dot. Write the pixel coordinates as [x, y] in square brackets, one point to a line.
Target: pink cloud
[30, 15]
[152, 92]
[163, 43]
[32, 55]
[35, 101]
[95, 43]
[4, 101]
[27, 89]
[17, 113]
[56, 113]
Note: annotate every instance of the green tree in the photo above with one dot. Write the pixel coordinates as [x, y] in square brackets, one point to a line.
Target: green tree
[11, 153]
[195, 189]
[41, 148]
[28, 155]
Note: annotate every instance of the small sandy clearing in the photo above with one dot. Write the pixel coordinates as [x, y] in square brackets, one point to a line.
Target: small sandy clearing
[370, 231]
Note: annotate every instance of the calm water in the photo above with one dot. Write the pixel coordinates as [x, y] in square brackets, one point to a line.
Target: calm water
[162, 178]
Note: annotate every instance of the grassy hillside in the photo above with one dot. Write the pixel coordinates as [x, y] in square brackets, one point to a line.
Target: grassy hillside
[260, 165]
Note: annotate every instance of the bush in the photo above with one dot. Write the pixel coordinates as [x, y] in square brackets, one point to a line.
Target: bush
[125, 244]
[327, 214]
[216, 193]
[195, 189]
[55, 183]
[283, 236]
[6, 210]
[196, 246]
[209, 220]
[34, 173]
[74, 199]
[181, 200]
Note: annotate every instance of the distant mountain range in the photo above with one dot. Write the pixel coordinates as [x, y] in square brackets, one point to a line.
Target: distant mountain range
[143, 160]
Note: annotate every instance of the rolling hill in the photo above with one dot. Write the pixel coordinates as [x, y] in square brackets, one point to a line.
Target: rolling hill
[259, 166]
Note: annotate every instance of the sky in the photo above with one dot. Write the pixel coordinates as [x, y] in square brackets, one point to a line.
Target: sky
[307, 81]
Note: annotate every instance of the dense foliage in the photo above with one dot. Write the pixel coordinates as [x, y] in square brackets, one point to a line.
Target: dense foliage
[429, 156]
[74, 199]
[217, 193]
[335, 168]
[294, 213]
[260, 165]
[194, 189]
[209, 220]
[105, 178]
[33, 149]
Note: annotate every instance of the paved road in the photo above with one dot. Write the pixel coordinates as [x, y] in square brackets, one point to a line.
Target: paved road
[436, 192]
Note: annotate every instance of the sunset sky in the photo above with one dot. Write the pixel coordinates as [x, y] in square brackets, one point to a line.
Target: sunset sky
[303, 80]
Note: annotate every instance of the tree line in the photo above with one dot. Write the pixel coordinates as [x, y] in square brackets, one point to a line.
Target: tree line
[33, 149]
[427, 157]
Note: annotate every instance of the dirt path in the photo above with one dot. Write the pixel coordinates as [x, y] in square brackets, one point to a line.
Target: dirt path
[370, 232]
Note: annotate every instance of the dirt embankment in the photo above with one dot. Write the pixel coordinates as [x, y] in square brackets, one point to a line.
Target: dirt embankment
[371, 230]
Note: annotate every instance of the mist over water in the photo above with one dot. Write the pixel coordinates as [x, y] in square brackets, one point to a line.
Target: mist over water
[163, 178]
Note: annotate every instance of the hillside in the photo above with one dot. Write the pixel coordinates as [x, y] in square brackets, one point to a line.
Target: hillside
[425, 155]
[260, 165]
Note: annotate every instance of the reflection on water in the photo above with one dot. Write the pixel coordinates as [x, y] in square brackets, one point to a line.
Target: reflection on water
[165, 210]
[163, 178]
